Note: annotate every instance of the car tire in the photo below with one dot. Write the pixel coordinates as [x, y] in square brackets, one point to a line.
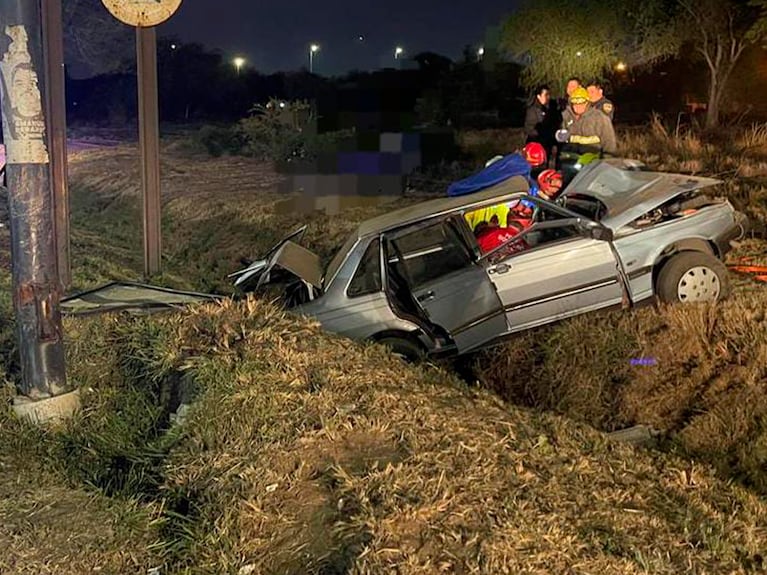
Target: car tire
[404, 348]
[693, 277]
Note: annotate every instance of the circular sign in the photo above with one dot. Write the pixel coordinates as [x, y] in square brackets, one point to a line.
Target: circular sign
[142, 13]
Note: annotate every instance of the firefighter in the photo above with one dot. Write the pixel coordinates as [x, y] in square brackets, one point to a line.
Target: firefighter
[535, 155]
[567, 115]
[549, 184]
[598, 100]
[590, 129]
[489, 238]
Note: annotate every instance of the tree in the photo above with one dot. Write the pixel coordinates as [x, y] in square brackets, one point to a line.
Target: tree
[94, 39]
[720, 30]
[557, 39]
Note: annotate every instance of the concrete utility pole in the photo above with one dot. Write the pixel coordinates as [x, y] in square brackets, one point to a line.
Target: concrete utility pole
[36, 289]
[56, 108]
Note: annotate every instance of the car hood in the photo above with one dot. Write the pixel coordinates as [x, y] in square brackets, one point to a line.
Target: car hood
[286, 255]
[629, 193]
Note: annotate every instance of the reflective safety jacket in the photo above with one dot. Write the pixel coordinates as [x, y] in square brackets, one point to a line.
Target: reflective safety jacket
[593, 132]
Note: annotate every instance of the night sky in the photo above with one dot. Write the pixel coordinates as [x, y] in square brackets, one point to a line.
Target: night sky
[276, 35]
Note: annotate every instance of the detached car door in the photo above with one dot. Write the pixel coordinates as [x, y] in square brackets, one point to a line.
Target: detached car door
[560, 272]
[451, 289]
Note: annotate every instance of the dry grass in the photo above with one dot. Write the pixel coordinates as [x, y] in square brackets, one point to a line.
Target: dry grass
[306, 453]
[216, 211]
[359, 464]
[50, 529]
[484, 144]
[706, 391]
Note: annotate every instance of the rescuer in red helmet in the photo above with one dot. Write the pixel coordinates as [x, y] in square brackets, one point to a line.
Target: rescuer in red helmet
[535, 154]
[549, 184]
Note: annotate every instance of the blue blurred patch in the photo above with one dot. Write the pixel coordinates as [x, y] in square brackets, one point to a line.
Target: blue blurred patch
[497, 172]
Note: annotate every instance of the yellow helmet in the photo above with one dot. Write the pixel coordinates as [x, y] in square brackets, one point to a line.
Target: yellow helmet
[579, 96]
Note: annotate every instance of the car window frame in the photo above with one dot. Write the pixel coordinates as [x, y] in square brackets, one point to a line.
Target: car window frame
[446, 220]
[381, 289]
[577, 222]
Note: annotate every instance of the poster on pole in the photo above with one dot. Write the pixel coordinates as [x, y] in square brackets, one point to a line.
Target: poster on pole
[25, 129]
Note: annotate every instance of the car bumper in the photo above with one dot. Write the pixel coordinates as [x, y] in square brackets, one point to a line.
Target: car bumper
[734, 233]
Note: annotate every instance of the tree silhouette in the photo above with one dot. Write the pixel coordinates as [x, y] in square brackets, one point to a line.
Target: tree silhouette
[94, 39]
[557, 39]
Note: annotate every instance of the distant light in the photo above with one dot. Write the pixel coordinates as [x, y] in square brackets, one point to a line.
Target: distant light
[282, 104]
[579, 53]
[481, 51]
[621, 66]
[360, 38]
[398, 51]
[315, 47]
[238, 63]
[173, 46]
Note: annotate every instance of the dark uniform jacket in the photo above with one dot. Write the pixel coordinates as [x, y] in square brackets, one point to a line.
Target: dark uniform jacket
[592, 132]
[538, 125]
[606, 106]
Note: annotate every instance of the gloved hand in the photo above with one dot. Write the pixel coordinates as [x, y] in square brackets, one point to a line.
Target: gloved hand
[562, 136]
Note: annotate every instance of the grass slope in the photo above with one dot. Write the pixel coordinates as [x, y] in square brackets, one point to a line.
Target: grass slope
[306, 453]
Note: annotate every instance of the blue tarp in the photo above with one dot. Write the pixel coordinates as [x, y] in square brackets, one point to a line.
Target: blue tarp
[497, 172]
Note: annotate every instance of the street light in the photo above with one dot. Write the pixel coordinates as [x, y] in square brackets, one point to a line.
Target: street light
[313, 49]
[238, 63]
[579, 53]
[480, 52]
[621, 66]
[398, 52]
[173, 46]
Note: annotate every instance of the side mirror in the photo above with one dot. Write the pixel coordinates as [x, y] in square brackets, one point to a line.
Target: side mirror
[599, 232]
[596, 230]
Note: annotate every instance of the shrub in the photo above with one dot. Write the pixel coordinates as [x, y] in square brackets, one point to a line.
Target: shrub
[219, 140]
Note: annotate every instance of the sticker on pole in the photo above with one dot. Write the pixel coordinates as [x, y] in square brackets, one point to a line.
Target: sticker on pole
[23, 122]
[142, 13]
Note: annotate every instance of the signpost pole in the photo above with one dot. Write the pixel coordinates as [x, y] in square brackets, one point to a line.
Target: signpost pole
[36, 289]
[53, 45]
[149, 142]
[144, 15]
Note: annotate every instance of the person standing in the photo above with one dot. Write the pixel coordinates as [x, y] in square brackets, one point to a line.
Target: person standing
[538, 122]
[564, 103]
[590, 130]
[599, 101]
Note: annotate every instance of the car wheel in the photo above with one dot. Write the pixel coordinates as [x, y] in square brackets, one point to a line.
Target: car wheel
[691, 277]
[404, 348]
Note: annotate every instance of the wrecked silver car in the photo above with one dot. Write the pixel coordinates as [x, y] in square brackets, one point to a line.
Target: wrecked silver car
[419, 280]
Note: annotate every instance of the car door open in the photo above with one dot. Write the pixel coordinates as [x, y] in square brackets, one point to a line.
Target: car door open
[450, 288]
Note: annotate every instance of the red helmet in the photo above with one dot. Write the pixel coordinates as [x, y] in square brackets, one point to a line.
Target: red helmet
[535, 154]
[550, 183]
[519, 210]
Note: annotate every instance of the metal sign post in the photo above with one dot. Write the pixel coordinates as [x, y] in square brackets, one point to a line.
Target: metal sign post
[149, 142]
[53, 46]
[144, 15]
[35, 283]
